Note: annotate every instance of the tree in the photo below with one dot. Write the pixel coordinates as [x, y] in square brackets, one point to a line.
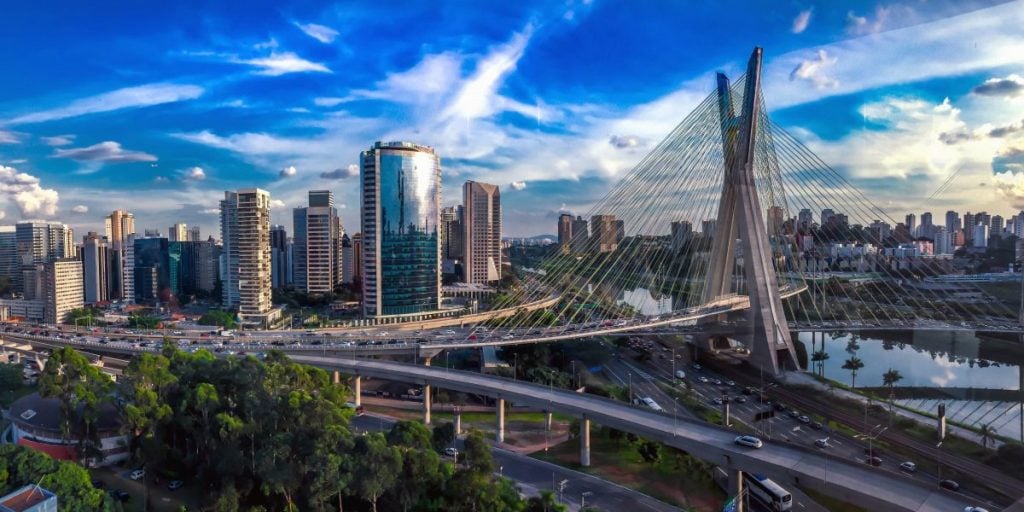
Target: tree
[410, 434]
[70, 482]
[987, 433]
[853, 364]
[82, 390]
[378, 466]
[219, 318]
[819, 357]
[11, 377]
[443, 436]
[546, 502]
[478, 454]
[650, 451]
[890, 378]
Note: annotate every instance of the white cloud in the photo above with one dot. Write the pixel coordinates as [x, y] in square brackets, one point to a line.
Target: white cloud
[319, 32]
[7, 137]
[80, 208]
[210, 211]
[815, 70]
[341, 173]
[861, 25]
[107, 151]
[195, 174]
[801, 21]
[517, 185]
[277, 203]
[432, 77]
[161, 179]
[625, 141]
[329, 101]
[129, 97]
[58, 140]
[478, 95]
[277, 64]
[288, 172]
[25, 191]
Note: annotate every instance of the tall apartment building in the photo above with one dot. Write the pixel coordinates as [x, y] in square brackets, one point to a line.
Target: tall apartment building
[580, 235]
[452, 242]
[63, 288]
[400, 216]
[120, 226]
[911, 223]
[317, 234]
[357, 257]
[481, 232]
[280, 258]
[152, 270]
[564, 233]
[97, 266]
[952, 221]
[245, 230]
[604, 233]
[347, 260]
[193, 234]
[681, 232]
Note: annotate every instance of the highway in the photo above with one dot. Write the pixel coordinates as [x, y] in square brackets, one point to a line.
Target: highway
[873, 488]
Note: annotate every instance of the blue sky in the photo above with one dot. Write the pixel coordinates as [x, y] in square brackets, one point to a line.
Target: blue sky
[160, 107]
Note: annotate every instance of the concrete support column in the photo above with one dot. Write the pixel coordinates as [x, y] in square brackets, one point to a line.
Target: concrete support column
[426, 361]
[426, 404]
[500, 409]
[585, 442]
[458, 421]
[337, 377]
[547, 420]
[736, 487]
[725, 414]
[357, 390]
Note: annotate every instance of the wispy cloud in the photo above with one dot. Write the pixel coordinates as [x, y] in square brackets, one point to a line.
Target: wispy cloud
[518, 185]
[58, 140]
[341, 173]
[194, 174]
[801, 21]
[80, 208]
[282, 63]
[815, 70]
[129, 97]
[329, 101]
[1010, 86]
[288, 172]
[321, 33]
[7, 137]
[107, 151]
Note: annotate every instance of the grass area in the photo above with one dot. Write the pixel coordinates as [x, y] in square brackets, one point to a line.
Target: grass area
[831, 503]
[676, 478]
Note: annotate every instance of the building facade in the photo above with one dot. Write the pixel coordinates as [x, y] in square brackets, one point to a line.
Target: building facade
[120, 227]
[98, 266]
[316, 245]
[63, 288]
[245, 225]
[565, 233]
[604, 232]
[481, 232]
[400, 218]
[177, 233]
[280, 258]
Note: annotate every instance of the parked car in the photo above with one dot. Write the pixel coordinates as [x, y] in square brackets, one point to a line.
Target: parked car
[749, 441]
[138, 474]
[174, 485]
[949, 484]
[909, 467]
[821, 443]
[451, 451]
[874, 461]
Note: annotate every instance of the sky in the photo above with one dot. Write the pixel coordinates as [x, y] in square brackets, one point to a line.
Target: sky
[159, 107]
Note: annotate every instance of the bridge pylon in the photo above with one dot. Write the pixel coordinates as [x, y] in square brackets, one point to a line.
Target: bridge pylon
[740, 217]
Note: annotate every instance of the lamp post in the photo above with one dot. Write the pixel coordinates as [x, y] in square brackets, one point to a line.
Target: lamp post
[583, 499]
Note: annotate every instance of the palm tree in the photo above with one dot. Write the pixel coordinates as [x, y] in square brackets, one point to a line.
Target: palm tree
[853, 364]
[986, 432]
[890, 378]
[819, 357]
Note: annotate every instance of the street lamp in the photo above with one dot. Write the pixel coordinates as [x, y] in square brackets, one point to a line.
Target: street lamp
[583, 499]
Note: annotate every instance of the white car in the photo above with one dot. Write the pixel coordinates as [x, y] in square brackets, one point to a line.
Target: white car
[680, 374]
[749, 441]
[451, 452]
[138, 474]
[909, 467]
[974, 509]
[821, 443]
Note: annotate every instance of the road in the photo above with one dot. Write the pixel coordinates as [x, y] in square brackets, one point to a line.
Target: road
[534, 475]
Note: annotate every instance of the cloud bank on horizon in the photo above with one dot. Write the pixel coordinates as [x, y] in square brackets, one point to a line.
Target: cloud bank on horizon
[553, 102]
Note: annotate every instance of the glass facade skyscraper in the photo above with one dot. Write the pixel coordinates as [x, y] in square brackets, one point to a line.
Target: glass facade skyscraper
[400, 214]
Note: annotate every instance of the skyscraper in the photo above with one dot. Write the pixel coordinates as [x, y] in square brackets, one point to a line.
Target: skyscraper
[152, 270]
[119, 226]
[317, 231]
[996, 226]
[604, 233]
[177, 233]
[826, 215]
[245, 229]
[38, 242]
[980, 237]
[580, 235]
[952, 221]
[482, 232]
[193, 234]
[347, 260]
[681, 232]
[400, 217]
[911, 223]
[280, 262]
[564, 233]
[97, 262]
[62, 288]
[9, 262]
[805, 218]
[927, 228]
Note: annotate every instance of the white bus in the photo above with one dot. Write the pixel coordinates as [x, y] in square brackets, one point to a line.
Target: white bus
[769, 493]
[649, 402]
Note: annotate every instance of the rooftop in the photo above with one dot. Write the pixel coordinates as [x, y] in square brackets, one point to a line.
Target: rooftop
[25, 498]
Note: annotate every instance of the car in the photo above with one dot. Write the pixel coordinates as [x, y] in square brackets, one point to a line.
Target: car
[949, 484]
[749, 390]
[793, 413]
[730, 383]
[680, 374]
[739, 400]
[821, 443]
[909, 467]
[804, 419]
[718, 382]
[779, 407]
[816, 425]
[874, 461]
[120, 495]
[717, 401]
[138, 474]
[174, 485]
[98, 484]
[451, 452]
[974, 509]
[697, 366]
[703, 379]
[749, 441]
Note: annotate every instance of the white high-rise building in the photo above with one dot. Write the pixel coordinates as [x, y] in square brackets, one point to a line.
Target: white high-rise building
[96, 260]
[177, 233]
[63, 288]
[317, 236]
[980, 237]
[245, 229]
[120, 225]
[481, 222]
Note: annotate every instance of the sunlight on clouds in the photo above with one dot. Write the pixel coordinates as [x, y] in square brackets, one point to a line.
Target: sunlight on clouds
[277, 64]
[815, 70]
[24, 189]
[129, 97]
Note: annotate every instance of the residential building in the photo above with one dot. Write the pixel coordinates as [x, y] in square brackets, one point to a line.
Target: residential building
[10, 264]
[39, 242]
[245, 229]
[400, 217]
[193, 234]
[580, 235]
[980, 236]
[776, 219]
[29, 498]
[969, 223]
[357, 257]
[481, 232]
[317, 231]
[707, 228]
[208, 265]
[603, 233]
[152, 271]
[911, 223]
[152, 233]
[927, 228]
[98, 265]
[805, 219]
[63, 288]
[564, 233]
[681, 231]
[996, 226]
[952, 221]
[347, 260]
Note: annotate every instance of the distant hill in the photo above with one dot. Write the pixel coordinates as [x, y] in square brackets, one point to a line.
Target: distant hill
[534, 237]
